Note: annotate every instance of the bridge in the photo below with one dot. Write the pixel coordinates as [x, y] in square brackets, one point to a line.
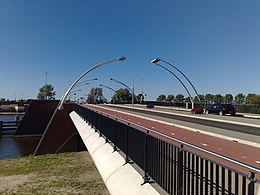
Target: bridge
[173, 155]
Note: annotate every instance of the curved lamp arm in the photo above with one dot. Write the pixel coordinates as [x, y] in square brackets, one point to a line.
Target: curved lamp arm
[125, 86]
[110, 89]
[75, 82]
[158, 59]
[176, 78]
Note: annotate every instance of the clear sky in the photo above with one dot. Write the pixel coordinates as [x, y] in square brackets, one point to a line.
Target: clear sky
[216, 44]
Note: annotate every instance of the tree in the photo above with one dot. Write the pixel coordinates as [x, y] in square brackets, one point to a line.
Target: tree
[140, 97]
[187, 99]
[209, 98]
[46, 92]
[122, 94]
[179, 98]
[95, 95]
[228, 98]
[240, 98]
[196, 99]
[253, 99]
[161, 98]
[170, 98]
[218, 98]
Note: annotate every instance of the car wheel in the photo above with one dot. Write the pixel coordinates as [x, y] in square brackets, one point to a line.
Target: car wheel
[220, 113]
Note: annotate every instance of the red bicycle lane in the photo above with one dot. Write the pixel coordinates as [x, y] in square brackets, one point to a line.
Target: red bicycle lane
[240, 152]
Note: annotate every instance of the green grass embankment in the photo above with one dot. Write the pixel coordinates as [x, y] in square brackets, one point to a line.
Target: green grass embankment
[65, 173]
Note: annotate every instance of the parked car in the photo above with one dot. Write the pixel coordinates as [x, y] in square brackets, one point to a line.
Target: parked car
[149, 105]
[197, 110]
[221, 109]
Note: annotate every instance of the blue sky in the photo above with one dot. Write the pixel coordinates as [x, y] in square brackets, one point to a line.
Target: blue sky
[216, 44]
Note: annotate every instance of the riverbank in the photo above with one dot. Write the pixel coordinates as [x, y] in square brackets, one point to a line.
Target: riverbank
[64, 173]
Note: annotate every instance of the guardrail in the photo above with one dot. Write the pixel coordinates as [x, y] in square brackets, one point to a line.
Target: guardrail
[175, 165]
[8, 127]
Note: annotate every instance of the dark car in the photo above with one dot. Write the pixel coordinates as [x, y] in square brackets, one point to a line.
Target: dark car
[221, 109]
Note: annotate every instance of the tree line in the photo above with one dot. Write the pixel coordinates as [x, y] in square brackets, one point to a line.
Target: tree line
[249, 103]
[208, 98]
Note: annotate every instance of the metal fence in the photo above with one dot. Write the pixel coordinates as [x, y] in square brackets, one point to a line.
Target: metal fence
[8, 127]
[173, 164]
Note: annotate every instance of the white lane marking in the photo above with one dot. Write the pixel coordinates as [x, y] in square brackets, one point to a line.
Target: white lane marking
[204, 144]
[258, 162]
[192, 116]
[243, 157]
[192, 129]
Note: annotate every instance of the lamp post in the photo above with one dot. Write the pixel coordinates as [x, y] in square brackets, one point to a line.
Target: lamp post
[178, 80]
[126, 87]
[89, 70]
[155, 60]
[73, 92]
[85, 82]
[111, 90]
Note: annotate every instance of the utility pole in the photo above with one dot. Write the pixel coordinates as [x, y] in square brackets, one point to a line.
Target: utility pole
[142, 91]
[46, 78]
[133, 88]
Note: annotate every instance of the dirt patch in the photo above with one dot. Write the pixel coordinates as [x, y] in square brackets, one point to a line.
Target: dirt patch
[11, 183]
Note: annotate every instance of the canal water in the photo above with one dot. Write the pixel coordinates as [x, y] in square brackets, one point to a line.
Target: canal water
[11, 147]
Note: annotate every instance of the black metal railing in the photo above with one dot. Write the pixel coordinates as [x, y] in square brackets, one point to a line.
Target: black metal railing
[8, 127]
[178, 167]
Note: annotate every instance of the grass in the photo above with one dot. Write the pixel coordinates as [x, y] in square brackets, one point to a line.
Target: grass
[65, 173]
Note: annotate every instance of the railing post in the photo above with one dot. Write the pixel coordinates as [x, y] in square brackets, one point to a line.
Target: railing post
[180, 171]
[107, 128]
[127, 159]
[251, 185]
[146, 177]
[115, 147]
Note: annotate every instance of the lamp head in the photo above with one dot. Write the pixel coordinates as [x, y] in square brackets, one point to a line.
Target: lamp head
[121, 58]
[155, 60]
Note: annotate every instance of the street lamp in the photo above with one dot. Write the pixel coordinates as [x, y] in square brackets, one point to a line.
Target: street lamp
[76, 81]
[176, 78]
[73, 93]
[155, 60]
[126, 87]
[111, 90]
[86, 81]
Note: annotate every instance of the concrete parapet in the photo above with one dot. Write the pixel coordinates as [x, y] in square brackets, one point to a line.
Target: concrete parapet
[120, 178]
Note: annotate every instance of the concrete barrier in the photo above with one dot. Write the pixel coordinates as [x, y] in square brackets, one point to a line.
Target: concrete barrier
[120, 178]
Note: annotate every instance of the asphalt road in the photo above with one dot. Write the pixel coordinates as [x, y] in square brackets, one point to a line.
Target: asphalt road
[244, 153]
[239, 129]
